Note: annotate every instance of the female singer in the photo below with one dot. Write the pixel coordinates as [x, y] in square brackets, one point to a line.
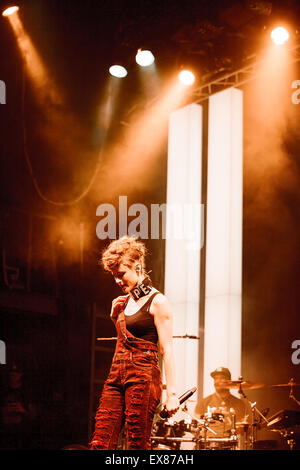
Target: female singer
[143, 317]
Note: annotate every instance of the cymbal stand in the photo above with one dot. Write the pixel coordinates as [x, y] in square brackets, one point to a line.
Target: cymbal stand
[289, 435]
[253, 410]
[291, 395]
[233, 432]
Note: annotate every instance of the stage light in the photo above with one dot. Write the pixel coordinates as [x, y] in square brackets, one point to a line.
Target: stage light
[186, 77]
[279, 35]
[10, 10]
[144, 58]
[45, 88]
[118, 71]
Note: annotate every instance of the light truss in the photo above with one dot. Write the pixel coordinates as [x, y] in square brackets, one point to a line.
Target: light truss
[237, 78]
[204, 91]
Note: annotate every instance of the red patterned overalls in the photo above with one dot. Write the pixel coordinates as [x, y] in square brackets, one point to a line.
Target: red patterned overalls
[133, 387]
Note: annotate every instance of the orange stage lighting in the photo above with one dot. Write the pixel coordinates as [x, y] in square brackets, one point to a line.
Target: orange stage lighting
[10, 10]
[144, 58]
[118, 71]
[142, 142]
[35, 68]
[186, 77]
[279, 35]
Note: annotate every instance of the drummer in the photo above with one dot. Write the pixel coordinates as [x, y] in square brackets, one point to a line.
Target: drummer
[224, 403]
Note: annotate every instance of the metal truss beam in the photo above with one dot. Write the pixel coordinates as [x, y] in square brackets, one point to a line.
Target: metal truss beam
[236, 78]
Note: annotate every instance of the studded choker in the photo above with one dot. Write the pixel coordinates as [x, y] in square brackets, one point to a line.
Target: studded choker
[142, 289]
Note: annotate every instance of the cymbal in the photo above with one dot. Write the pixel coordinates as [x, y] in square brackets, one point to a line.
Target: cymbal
[290, 384]
[244, 384]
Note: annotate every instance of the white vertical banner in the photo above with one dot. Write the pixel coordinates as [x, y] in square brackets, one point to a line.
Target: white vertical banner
[223, 283]
[184, 238]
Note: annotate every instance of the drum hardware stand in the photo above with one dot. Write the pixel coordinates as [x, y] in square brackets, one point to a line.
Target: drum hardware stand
[204, 425]
[291, 395]
[289, 436]
[233, 433]
[253, 410]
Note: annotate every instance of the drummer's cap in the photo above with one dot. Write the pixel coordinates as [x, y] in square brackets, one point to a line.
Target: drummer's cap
[223, 371]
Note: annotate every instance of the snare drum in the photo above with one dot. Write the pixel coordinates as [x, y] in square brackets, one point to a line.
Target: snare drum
[218, 443]
[189, 430]
[173, 435]
[188, 425]
[160, 446]
[165, 434]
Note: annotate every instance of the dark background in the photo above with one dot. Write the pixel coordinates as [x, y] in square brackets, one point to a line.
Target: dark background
[48, 306]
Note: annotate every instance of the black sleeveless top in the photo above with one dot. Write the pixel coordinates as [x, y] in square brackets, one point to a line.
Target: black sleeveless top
[141, 324]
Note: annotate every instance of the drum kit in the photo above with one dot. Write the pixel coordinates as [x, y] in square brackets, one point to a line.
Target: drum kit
[193, 433]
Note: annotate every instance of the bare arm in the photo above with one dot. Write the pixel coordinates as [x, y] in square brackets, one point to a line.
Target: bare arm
[163, 319]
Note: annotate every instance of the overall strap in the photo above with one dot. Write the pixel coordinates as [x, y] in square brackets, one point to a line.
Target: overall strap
[127, 337]
[149, 301]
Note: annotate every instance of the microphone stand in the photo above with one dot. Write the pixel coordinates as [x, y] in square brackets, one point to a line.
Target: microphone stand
[184, 336]
[188, 336]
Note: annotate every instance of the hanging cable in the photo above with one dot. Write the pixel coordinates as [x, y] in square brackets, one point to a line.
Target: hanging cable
[30, 168]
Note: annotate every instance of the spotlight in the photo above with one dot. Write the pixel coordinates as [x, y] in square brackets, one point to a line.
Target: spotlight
[118, 71]
[10, 10]
[279, 35]
[144, 58]
[186, 77]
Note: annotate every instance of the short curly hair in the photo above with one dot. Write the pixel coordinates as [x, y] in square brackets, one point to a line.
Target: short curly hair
[126, 250]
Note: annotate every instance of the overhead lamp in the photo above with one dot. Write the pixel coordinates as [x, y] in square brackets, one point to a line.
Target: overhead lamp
[144, 57]
[186, 77]
[279, 35]
[10, 10]
[118, 71]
